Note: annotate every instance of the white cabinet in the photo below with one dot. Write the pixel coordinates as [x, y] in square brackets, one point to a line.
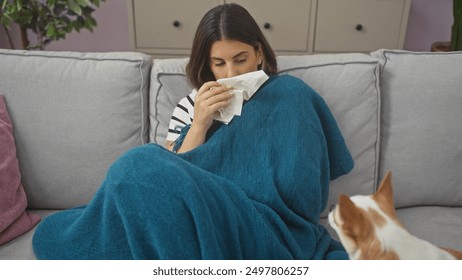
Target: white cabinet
[360, 25]
[287, 25]
[166, 27]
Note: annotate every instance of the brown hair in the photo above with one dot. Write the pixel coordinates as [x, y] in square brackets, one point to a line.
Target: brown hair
[227, 21]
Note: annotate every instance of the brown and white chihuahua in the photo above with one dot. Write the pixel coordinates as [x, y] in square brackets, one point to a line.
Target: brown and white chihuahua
[370, 230]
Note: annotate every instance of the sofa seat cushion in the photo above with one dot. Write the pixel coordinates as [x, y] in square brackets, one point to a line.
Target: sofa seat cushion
[21, 247]
[421, 131]
[74, 114]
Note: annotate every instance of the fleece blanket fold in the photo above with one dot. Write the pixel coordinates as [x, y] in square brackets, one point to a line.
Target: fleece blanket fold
[254, 190]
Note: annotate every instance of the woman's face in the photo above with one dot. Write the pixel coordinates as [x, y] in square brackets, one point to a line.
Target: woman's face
[229, 58]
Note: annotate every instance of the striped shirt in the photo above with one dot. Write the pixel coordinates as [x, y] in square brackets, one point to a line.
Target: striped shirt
[181, 116]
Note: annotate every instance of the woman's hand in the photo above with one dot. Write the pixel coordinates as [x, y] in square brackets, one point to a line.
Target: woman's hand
[210, 97]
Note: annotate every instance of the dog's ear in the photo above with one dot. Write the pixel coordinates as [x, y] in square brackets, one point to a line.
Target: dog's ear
[348, 210]
[354, 222]
[384, 195]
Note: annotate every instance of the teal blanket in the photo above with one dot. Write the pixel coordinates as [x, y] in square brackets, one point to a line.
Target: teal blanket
[254, 190]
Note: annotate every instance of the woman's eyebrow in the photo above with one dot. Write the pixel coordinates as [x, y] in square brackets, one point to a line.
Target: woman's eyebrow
[241, 53]
[237, 55]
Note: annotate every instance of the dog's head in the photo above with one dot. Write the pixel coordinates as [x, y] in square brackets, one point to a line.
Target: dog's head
[360, 220]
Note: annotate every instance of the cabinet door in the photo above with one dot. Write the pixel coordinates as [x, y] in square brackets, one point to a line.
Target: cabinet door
[360, 25]
[286, 24]
[166, 26]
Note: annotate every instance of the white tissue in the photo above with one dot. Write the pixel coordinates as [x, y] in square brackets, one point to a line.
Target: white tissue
[244, 86]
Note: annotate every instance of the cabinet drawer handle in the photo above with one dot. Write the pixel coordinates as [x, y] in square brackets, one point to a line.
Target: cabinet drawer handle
[359, 27]
[176, 23]
[267, 25]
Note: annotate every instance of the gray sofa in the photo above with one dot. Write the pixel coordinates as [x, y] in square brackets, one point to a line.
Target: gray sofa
[74, 113]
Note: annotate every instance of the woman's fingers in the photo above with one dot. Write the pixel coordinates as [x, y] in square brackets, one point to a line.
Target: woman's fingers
[207, 87]
[221, 104]
[214, 94]
[220, 97]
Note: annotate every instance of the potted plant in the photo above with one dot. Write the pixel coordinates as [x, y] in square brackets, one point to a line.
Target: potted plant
[456, 32]
[49, 20]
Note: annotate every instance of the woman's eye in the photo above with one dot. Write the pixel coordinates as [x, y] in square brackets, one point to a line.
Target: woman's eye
[241, 60]
[219, 64]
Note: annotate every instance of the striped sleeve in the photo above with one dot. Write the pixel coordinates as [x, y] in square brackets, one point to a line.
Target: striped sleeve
[182, 115]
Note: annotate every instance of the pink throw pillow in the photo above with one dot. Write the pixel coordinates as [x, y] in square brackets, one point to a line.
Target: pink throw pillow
[14, 220]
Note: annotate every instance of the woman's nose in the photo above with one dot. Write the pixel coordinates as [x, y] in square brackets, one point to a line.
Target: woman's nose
[231, 72]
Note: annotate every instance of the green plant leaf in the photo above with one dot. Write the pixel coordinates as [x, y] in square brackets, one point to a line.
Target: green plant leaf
[96, 2]
[91, 20]
[6, 22]
[51, 31]
[4, 3]
[73, 6]
[83, 3]
[51, 3]
[19, 4]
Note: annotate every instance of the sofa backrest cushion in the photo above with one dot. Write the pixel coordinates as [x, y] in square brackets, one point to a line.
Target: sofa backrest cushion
[348, 82]
[168, 87]
[74, 114]
[421, 126]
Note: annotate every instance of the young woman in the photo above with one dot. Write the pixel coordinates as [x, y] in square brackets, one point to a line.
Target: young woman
[252, 189]
[228, 43]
